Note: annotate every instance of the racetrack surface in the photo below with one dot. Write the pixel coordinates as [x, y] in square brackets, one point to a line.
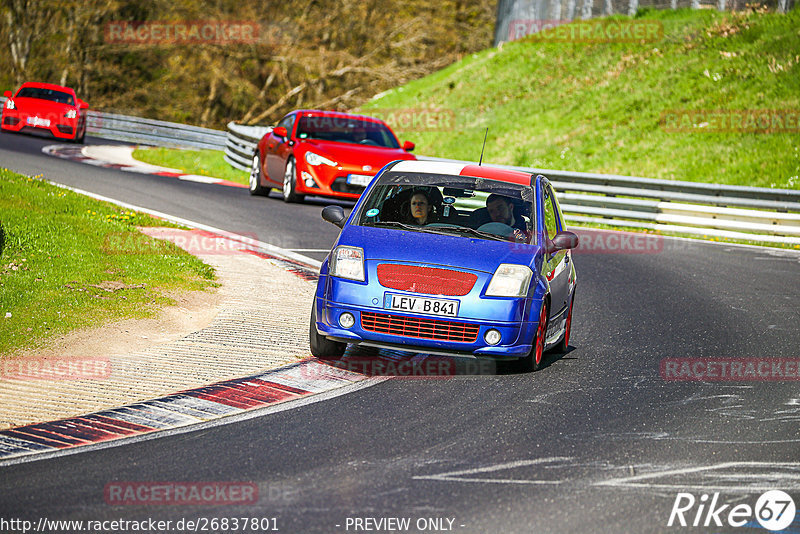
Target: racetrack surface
[597, 441]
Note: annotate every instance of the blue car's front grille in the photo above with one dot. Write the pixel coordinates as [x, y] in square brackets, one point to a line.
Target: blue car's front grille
[398, 325]
[426, 280]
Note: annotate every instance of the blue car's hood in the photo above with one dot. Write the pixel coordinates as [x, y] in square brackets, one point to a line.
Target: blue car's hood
[431, 249]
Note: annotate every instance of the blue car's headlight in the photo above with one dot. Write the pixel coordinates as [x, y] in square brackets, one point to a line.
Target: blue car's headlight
[315, 159]
[348, 262]
[510, 280]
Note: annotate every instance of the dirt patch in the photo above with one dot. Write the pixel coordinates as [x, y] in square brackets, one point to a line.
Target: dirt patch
[193, 311]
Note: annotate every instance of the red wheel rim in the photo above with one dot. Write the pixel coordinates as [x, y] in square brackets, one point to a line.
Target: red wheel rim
[540, 332]
[569, 325]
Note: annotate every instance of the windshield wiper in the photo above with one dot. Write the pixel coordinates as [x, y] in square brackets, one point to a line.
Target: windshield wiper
[473, 231]
[412, 227]
[441, 230]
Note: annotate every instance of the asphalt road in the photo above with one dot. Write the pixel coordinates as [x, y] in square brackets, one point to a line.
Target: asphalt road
[597, 441]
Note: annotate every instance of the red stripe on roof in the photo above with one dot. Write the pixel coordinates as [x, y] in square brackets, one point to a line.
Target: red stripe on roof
[494, 173]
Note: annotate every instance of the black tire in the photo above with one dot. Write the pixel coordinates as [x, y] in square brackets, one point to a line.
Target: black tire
[290, 183]
[533, 361]
[255, 178]
[563, 345]
[323, 348]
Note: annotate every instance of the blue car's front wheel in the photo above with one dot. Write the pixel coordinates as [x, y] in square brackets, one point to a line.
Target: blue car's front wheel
[322, 347]
[533, 361]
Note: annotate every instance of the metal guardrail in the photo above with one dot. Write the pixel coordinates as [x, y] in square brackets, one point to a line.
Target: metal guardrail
[715, 210]
[153, 132]
[240, 144]
[751, 213]
[150, 131]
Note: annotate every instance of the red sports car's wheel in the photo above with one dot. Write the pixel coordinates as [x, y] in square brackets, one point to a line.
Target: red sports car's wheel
[255, 178]
[290, 183]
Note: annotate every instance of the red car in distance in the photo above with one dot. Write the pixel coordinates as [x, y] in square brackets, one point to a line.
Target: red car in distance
[40, 107]
[327, 153]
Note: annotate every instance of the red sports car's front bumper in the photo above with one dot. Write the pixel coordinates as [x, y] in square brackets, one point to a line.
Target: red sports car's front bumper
[341, 181]
[58, 125]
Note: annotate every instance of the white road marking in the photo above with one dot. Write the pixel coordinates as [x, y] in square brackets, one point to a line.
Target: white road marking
[456, 476]
[711, 479]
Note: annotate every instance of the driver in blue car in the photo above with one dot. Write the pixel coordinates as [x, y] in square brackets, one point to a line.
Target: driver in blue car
[500, 209]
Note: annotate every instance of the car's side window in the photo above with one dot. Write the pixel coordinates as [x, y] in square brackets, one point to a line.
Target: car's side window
[550, 221]
[559, 213]
[288, 123]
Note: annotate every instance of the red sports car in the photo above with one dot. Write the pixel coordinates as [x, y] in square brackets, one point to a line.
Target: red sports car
[326, 153]
[39, 107]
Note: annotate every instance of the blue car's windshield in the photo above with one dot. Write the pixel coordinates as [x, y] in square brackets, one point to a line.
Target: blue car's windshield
[443, 204]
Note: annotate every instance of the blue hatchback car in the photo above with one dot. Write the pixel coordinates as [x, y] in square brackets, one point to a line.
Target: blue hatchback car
[448, 259]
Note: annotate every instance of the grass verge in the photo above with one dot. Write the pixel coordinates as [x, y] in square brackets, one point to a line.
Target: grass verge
[59, 273]
[200, 162]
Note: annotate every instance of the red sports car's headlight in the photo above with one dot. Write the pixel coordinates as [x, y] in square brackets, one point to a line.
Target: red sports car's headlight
[71, 114]
[315, 159]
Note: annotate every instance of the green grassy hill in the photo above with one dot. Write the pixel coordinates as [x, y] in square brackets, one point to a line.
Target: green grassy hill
[598, 107]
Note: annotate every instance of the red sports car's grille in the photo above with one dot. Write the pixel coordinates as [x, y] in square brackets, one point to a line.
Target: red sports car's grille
[397, 325]
[425, 280]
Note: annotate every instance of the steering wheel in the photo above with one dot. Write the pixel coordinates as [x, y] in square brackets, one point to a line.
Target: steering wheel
[497, 228]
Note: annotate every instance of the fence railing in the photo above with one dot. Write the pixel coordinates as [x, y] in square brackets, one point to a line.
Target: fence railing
[150, 131]
[240, 144]
[695, 208]
[741, 212]
[715, 210]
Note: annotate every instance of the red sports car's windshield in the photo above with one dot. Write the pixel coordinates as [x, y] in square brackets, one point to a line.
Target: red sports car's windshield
[346, 130]
[46, 94]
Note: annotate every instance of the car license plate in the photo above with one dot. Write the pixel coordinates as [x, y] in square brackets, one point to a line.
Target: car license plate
[37, 121]
[359, 179]
[406, 303]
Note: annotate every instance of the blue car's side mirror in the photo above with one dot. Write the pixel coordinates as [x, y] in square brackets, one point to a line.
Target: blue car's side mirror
[335, 215]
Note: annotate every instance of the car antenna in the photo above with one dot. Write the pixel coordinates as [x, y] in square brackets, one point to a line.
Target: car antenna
[483, 147]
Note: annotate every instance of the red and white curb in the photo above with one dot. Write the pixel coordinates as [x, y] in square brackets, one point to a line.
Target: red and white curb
[120, 157]
[184, 409]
